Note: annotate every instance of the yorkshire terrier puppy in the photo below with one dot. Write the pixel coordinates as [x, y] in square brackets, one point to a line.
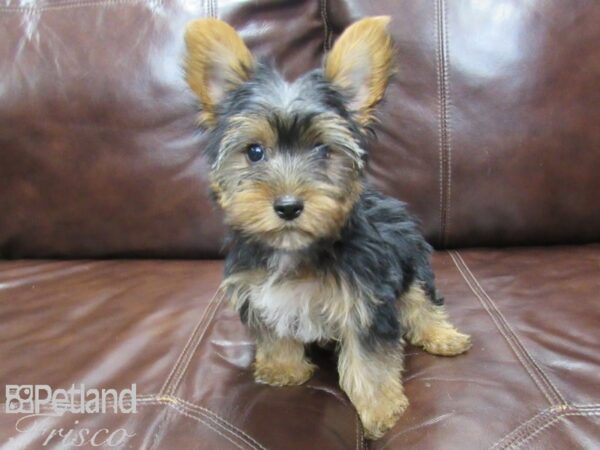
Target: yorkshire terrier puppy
[315, 255]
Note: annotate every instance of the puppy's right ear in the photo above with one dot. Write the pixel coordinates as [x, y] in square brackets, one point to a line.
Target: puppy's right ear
[216, 62]
[360, 65]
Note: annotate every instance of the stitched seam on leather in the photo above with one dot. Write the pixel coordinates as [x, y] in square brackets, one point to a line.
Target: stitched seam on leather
[216, 419]
[545, 376]
[531, 423]
[199, 416]
[547, 425]
[181, 411]
[155, 399]
[11, 9]
[447, 126]
[497, 321]
[443, 127]
[558, 398]
[438, 65]
[186, 354]
[360, 436]
[185, 350]
[326, 29]
[532, 426]
[222, 420]
[508, 333]
[195, 345]
[186, 361]
[552, 421]
[175, 403]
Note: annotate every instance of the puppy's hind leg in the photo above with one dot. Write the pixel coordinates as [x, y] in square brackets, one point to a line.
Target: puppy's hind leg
[427, 324]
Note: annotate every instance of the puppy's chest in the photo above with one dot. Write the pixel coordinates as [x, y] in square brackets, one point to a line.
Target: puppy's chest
[298, 307]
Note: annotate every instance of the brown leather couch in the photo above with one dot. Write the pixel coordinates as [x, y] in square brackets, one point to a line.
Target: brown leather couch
[491, 132]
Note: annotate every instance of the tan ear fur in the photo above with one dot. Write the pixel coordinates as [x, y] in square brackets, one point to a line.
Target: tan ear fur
[217, 61]
[360, 64]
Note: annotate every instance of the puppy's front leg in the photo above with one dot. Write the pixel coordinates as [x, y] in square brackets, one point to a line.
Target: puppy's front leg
[280, 361]
[371, 376]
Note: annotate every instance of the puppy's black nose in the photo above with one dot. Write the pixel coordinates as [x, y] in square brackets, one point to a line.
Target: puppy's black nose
[288, 207]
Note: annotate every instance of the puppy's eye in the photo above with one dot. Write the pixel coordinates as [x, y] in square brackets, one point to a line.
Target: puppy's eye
[322, 151]
[255, 152]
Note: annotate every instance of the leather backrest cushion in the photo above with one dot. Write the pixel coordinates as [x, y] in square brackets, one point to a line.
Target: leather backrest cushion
[489, 130]
[99, 150]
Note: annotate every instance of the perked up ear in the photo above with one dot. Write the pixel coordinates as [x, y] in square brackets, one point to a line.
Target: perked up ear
[360, 65]
[217, 61]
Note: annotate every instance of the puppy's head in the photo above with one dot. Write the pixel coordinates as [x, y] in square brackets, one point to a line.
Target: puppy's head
[287, 159]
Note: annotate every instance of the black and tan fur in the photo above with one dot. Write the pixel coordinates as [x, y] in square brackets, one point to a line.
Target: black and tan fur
[352, 267]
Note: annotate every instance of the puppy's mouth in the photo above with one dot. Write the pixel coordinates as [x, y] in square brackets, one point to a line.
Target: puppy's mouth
[290, 238]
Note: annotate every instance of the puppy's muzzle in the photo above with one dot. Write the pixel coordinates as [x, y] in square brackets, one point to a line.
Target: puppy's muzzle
[288, 207]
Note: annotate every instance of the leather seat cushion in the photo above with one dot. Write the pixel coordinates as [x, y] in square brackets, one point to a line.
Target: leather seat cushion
[531, 376]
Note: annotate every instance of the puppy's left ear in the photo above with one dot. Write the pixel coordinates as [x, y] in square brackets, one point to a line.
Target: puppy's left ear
[217, 61]
[360, 65]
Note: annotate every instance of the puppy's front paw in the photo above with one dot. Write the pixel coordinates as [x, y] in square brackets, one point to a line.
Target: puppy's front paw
[276, 373]
[447, 342]
[381, 414]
